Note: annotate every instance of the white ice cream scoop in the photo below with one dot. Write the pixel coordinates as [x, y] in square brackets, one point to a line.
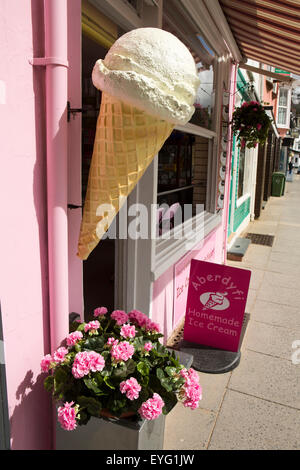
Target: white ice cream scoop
[152, 70]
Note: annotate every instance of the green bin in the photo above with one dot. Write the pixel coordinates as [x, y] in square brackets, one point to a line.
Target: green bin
[278, 184]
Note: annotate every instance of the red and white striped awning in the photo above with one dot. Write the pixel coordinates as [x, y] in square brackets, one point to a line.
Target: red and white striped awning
[267, 31]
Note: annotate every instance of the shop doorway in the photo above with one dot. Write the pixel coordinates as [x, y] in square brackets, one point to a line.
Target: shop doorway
[99, 268]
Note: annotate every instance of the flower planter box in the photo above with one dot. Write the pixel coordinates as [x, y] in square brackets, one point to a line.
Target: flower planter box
[113, 434]
[117, 434]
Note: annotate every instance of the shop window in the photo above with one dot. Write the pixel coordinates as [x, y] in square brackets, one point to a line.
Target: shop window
[243, 173]
[182, 179]
[205, 99]
[283, 107]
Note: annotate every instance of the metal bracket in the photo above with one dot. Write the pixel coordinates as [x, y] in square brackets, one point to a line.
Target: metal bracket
[42, 61]
[73, 111]
[73, 206]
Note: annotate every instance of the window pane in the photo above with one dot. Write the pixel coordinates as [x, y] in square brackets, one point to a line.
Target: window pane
[175, 162]
[281, 115]
[241, 172]
[182, 175]
[283, 97]
[204, 103]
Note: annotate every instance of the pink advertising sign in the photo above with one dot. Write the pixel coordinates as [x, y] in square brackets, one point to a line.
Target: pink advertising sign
[216, 304]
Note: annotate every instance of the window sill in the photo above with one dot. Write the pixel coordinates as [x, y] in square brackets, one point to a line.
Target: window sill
[242, 199]
[169, 251]
[196, 130]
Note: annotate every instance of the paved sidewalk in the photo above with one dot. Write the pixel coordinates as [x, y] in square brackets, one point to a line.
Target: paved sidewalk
[257, 405]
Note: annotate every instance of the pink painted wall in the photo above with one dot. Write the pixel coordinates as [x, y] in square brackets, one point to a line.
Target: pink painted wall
[167, 308]
[24, 287]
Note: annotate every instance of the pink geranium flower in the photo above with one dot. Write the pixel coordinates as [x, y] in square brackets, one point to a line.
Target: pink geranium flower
[112, 341]
[59, 354]
[96, 361]
[128, 331]
[139, 317]
[100, 311]
[259, 126]
[46, 362]
[148, 346]
[85, 362]
[131, 387]
[120, 317]
[152, 408]
[152, 326]
[92, 326]
[122, 351]
[67, 416]
[74, 337]
[191, 392]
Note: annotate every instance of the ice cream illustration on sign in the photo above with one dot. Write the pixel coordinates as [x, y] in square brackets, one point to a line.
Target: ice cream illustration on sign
[149, 83]
[214, 300]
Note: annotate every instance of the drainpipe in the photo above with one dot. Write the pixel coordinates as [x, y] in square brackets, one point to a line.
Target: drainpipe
[55, 16]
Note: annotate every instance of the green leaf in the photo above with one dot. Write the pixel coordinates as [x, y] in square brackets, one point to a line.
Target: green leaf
[105, 354]
[108, 382]
[61, 381]
[138, 342]
[83, 418]
[170, 400]
[171, 371]
[143, 368]
[81, 326]
[120, 372]
[49, 383]
[160, 374]
[99, 379]
[92, 385]
[167, 384]
[131, 365]
[92, 405]
[95, 343]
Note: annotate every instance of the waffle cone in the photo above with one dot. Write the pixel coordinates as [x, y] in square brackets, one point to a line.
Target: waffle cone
[126, 141]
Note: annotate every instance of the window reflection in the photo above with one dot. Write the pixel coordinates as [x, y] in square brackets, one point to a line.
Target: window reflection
[204, 103]
[182, 178]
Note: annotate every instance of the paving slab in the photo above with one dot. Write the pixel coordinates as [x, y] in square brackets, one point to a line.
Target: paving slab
[267, 377]
[284, 268]
[271, 340]
[276, 314]
[188, 429]
[278, 294]
[213, 388]
[289, 232]
[265, 227]
[249, 423]
[257, 256]
[279, 279]
[290, 257]
[252, 294]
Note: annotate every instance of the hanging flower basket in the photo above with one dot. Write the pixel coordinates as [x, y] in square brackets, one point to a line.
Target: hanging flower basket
[115, 365]
[250, 123]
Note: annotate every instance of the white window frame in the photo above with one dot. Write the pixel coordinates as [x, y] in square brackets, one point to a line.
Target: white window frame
[246, 194]
[286, 125]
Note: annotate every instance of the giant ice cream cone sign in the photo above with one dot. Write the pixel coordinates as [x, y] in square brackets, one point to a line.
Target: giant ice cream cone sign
[149, 83]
